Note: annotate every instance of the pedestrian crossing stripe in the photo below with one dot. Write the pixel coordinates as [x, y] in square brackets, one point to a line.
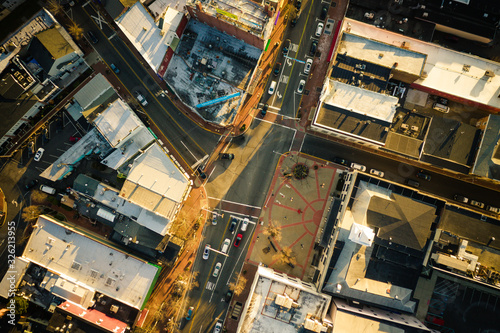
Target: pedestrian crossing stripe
[210, 285]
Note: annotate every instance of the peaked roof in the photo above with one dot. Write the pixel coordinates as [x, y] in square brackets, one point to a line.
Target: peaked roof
[55, 43]
[401, 220]
[361, 234]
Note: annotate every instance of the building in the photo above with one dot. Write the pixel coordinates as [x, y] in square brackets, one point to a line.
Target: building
[74, 272]
[487, 162]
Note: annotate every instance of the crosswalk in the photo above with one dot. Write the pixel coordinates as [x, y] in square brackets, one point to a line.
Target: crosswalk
[210, 286]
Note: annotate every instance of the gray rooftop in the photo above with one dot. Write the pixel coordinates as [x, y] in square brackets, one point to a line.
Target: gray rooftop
[401, 219]
[451, 141]
[488, 157]
[468, 225]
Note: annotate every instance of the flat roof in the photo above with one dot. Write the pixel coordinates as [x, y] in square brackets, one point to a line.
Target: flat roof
[94, 317]
[381, 53]
[487, 162]
[468, 225]
[154, 182]
[142, 31]
[117, 123]
[298, 302]
[96, 87]
[451, 72]
[134, 142]
[365, 102]
[88, 144]
[67, 252]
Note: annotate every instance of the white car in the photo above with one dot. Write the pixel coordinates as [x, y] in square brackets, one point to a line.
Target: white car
[39, 154]
[272, 87]
[217, 328]
[301, 86]
[206, 252]
[217, 269]
[377, 173]
[307, 67]
[319, 29]
[214, 219]
[244, 224]
[141, 98]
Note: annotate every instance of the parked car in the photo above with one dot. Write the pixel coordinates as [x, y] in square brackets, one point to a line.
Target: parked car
[226, 156]
[461, 198]
[74, 138]
[359, 167]
[286, 47]
[377, 173]
[39, 154]
[422, 175]
[298, 4]
[477, 204]
[493, 209]
[31, 184]
[324, 12]
[228, 296]
[114, 68]
[47, 189]
[217, 327]
[244, 224]
[441, 108]
[190, 313]
[271, 88]
[206, 252]
[141, 98]
[300, 88]
[294, 21]
[277, 68]
[214, 219]
[314, 46]
[308, 65]
[92, 37]
[340, 161]
[217, 269]
[238, 239]
[412, 182]
[319, 29]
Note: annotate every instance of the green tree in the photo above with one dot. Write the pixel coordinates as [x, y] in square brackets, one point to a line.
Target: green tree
[22, 305]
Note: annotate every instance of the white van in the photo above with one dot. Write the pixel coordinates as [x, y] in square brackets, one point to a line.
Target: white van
[441, 108]
[271, 88]
[357, 166]
[225, 245]
[47, 189]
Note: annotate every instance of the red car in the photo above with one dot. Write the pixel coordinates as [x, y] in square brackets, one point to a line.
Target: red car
[237, 241]
[74, 138]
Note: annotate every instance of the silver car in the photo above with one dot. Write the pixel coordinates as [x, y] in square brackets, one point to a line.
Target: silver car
[217, 269]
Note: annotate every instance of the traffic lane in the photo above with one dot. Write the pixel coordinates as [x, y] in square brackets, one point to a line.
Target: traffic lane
[440, 185]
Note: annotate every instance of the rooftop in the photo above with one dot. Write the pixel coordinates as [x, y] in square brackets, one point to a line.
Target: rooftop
[278, 303]
[96, 87]
[155, 183]
[118, 123]
[142, 31]
[381, 53]
[64, 251]
[380, 274]
[55, 43]
[487, 162]
[457, 74]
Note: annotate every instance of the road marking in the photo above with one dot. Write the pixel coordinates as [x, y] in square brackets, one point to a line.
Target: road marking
[234, 203]
[210, 286]
[189, 150]
[270, 122]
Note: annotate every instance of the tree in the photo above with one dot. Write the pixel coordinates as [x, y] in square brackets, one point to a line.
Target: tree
[31, 213]
[22, 305]
[75, 30]
[38, 196]
[273, 230]
[285, 256]
[54, 6]
[238, 287]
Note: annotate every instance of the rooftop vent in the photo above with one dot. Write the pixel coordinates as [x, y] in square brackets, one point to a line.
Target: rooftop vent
[466, 68]
[489, 73]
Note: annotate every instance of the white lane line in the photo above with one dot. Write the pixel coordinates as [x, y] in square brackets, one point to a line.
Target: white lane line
[234, 203]
[270, 122]
[189, 151]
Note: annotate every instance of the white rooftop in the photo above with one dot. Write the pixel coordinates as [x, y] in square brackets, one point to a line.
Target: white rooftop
[155, 183]
[111, 198]
[444, 68]
[92, 264]
[117, 123]
[263, 314]
[142, 31]
[358, 100]
[371, 51]
[92, 90]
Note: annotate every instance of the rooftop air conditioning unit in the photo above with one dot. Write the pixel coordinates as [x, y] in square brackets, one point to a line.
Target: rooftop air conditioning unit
[489, 73]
